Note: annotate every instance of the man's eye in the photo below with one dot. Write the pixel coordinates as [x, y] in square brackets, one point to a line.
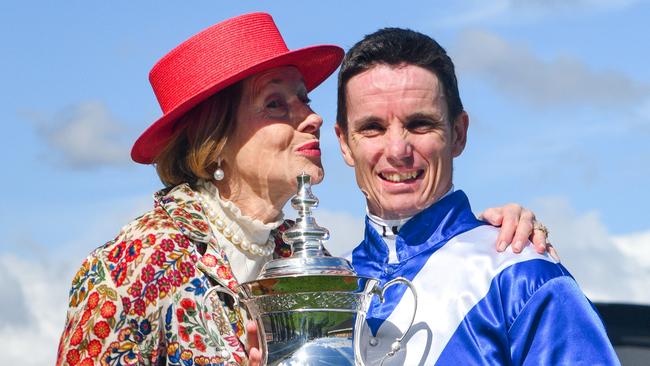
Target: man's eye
[371, 128]
[422, 125]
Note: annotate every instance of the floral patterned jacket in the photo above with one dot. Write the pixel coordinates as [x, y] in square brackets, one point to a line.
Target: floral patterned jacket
[139, 299]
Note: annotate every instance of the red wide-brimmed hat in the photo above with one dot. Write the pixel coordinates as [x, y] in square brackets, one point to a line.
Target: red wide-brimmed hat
[220, 56]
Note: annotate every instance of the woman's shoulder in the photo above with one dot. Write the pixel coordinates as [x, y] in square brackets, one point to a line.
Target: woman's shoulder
[148, 249]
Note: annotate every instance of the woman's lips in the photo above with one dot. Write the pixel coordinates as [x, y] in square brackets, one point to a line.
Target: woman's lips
[311, 148]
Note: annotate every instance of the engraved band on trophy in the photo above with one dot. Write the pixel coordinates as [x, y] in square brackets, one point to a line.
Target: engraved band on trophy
[310, 307]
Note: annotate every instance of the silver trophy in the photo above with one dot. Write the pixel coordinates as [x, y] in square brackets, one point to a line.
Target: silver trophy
[310, 307]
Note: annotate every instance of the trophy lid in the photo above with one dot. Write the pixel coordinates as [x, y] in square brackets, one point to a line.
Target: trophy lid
[306, 239]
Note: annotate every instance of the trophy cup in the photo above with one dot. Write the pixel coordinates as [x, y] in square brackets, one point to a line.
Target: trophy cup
[310, 307]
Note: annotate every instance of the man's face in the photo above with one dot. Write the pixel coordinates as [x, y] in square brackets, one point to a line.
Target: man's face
[399, 138]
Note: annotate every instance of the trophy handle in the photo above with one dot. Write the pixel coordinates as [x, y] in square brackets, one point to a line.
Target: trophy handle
[397, 345]
[237, 303]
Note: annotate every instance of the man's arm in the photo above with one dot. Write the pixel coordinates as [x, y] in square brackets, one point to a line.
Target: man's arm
[559, 326]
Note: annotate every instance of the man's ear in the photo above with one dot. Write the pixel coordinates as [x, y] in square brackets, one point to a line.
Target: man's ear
[343, 143]
[459, 134]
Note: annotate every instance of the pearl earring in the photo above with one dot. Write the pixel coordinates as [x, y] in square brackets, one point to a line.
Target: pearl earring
[218, 173]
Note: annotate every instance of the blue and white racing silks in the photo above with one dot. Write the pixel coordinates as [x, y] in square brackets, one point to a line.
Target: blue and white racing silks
[475, 306]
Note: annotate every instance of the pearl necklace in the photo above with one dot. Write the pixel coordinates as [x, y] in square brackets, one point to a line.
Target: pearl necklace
[225, 227]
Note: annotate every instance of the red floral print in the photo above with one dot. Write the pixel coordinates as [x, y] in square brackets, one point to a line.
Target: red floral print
[181, 240]
[164, 286]
[84, 318]
[176, 278]
[94, 348]
[187, 269]
[151, 293]
[77, 336]
[224, 272]
[209, 260]
[198, 342]
[133, 251]
[136, 288]
[126, 303]
[108, 310]
[167, 245]
[119, 273]
[139, 306]
[182, 331]
[158, 258]
[118, 251]
[201, 225]
[72, 357]
[101, 329]
[87, 362]
[188, 304]
[93, 300]
[147, 273]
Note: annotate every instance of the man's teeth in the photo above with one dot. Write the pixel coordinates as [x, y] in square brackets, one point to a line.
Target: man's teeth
[399, 177]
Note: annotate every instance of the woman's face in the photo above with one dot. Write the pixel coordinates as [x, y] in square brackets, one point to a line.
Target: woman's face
[275, 137]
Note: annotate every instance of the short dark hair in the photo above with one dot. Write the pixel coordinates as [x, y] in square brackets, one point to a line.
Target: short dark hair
[396, 46]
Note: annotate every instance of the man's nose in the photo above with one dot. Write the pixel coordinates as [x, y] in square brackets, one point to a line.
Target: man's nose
[311, 124]
[398, 147]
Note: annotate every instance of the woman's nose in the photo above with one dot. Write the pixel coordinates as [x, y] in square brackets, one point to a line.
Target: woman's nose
[311, 124]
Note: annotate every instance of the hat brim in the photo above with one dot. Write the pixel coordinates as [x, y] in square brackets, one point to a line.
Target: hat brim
[315, 63]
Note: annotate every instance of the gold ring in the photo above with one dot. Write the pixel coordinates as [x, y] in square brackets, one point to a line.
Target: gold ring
[541, 227]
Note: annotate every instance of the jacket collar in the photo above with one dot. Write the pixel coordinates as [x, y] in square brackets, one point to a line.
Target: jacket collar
[182, 205]
[429, 229]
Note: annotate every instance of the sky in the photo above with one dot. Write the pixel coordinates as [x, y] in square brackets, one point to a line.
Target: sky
[558, 94]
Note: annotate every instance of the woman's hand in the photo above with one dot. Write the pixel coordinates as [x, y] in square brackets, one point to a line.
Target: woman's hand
[518, 225]
[254, 352]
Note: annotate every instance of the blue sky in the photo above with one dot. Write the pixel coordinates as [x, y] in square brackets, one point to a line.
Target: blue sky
[558, 94]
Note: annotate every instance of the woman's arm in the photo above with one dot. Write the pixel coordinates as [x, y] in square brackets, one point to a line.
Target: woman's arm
[518, 225]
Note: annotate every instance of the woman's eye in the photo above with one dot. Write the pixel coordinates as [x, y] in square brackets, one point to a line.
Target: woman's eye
[274, 104]
[304, 98]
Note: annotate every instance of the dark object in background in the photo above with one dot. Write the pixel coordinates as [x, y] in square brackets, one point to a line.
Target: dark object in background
[628, 328]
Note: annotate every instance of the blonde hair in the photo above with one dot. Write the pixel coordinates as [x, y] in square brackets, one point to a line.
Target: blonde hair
[199, 138]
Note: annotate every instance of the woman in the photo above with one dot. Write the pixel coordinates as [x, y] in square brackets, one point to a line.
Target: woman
[237, 129]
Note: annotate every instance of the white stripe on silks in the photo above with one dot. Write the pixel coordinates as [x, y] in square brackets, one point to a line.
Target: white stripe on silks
[454, 279]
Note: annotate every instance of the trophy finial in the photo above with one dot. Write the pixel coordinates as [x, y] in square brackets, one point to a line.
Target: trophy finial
[306, 236]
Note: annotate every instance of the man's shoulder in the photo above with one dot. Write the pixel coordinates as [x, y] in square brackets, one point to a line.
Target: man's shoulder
[470, 261]
[479, 244]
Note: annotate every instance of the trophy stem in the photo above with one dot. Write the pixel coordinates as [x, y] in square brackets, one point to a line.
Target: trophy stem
[306, 236]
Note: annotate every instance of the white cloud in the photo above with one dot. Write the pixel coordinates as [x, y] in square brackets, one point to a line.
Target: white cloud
[515, 70]
[608, 268]
[86, 136]
[472, 12]
[29, 333]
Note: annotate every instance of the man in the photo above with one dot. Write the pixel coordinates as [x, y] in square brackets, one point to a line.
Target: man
[400, 124]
